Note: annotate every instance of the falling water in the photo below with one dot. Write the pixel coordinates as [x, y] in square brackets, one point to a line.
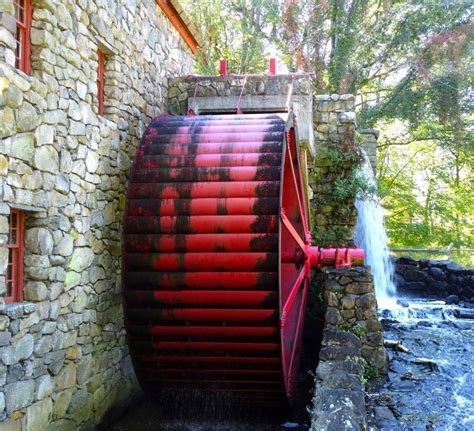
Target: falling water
[371, 236]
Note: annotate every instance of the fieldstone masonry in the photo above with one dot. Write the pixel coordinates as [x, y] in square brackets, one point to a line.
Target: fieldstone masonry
[439, 278]
[351, 305]
[339, 397]
[334, 217]
[63, 357]
[352, 351]
[368, 141]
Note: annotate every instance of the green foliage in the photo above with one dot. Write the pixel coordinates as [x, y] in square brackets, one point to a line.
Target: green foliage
[236, 30]
[338, 170]
[354, 328]
[410, 64]
[370, 372]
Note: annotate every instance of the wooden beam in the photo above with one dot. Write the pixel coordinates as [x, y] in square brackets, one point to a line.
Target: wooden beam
[176, 19]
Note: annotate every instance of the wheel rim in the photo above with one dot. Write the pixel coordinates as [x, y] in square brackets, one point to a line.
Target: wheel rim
[206, 272]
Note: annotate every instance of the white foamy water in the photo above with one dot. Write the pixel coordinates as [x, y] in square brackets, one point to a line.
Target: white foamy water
[371, 236]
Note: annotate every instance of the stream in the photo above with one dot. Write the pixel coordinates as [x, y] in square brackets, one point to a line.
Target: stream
[432, 386]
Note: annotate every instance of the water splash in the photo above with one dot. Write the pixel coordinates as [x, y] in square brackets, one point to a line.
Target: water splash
[371, 236]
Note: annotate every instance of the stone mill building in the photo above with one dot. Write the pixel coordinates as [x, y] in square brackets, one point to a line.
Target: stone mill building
[79, 80]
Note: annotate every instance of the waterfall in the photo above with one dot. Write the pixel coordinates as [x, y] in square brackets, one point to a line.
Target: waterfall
[371, 236]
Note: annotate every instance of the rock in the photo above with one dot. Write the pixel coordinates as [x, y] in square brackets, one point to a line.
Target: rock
[429, 363]
[65, 246]
[45, 134]
[385, 419]
[327, 399]
[10, 425]
[44, 387]
[464, 314]
[13, 97]
[414, 286]
[61, 403]
[63, 425]
[452, 299]
[338, 353]
[39, 241]
[71, 280]
[404, 386]
[78, 399]
[54, 361]
[437, 273]
[342, 380]
[407, 260]
[347, 117]
[66, 378]
[81, 259]
[38, 415]
[403, 303]
[23, 347]
[341, 338]
[21, 146]
[455, 267]
[414, 275]
[5, 338]
[27, 118]
[35, 291]
[19, 395]
[47, 159]
[92, 162]
[4, 321]
[367, 301]
[333, 317]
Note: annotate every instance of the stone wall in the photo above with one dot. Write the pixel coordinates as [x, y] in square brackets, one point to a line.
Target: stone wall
[351, 353]
[63, 357]
[183, 90]
[339, 397]
[332, 174]
[352, 306]
[439, 278]
[368, 141]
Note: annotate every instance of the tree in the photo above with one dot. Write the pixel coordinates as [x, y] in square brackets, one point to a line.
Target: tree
[410, 64]
[236, 30]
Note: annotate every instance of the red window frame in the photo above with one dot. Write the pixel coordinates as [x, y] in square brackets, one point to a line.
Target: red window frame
[100, 81]
[23, 13]
[16, 253]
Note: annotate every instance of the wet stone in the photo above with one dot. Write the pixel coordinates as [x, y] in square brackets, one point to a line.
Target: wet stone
[341, 338]
[338, 353]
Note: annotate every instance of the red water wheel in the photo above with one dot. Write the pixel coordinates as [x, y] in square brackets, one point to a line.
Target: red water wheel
[215, 263]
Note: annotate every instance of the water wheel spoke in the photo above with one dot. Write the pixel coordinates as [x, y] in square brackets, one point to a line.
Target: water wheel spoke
[297, 185]
[292, 231]
[291, 297]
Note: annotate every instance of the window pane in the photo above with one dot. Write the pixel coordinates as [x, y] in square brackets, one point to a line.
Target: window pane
[20, 10]
[9, 279]
[13, 222]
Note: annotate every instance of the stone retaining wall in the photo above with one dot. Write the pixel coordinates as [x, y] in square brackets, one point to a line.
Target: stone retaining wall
[352, 306]
[352, 351]
[438, 278]
[63, 357]
[339, 397]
